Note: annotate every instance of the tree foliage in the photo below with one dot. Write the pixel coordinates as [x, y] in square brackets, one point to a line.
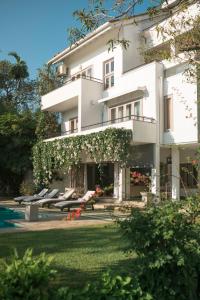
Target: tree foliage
[47, 122]
[166, 240]
[17, 91]
[21, 120]
[17, 122]
[112, 144]
[17, 137]
[99, 12]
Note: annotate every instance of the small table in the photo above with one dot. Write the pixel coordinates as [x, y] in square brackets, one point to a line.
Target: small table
[31, 212]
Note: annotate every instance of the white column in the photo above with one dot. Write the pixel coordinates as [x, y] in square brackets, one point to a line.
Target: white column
[116, 180]
[155, 172]
[127, 182]
[122, 186]
[175, 174]
[85, 178]
[79, 113]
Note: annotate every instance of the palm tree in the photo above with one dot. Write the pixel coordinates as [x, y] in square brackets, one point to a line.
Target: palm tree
[19, 70]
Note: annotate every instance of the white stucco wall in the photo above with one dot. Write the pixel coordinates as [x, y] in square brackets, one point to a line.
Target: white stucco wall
[145, 78]
[184, 96]
[94, 55]
[91, 110]
[131, 56]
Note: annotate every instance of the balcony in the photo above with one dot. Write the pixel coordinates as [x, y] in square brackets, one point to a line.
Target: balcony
[67, 96]
[143, 128]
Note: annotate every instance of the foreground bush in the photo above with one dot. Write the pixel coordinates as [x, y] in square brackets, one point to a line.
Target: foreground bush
[107, 288]
[26, 278]
[30, 278]
[166, 239]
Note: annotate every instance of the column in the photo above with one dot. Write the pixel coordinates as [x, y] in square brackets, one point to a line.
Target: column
[128, 183]
[85, 178]
[155, 172]
[116, 181]
[122, 185]
[175, 173]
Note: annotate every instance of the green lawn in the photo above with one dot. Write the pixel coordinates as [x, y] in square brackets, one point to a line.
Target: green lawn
[80, 254]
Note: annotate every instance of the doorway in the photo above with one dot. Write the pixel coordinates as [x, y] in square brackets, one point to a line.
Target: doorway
[102, 176]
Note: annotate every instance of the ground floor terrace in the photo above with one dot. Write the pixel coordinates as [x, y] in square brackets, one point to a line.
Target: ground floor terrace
[166, 171]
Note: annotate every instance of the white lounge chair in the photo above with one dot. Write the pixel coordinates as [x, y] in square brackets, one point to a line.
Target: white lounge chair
[41, 194]
[67, 195]
[84, 200]
[50, 195]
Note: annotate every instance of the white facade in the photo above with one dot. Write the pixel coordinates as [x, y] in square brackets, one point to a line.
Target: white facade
[141, 91]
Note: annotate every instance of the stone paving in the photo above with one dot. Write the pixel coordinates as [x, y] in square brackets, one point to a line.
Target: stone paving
[51, 218]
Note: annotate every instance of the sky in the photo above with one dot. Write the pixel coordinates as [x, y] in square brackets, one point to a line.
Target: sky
[37, 29]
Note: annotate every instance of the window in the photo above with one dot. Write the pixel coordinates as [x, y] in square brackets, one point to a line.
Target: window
[86, 73]
[89, 72]
[113, 115]
[187, 41]
[136, 110]
[120, 113]
[109, 73]
[128, 111]
[168, 113]
[124, 112]
[73, 125]
[158, 53]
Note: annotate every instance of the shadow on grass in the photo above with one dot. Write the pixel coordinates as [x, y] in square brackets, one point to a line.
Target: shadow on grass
[80, 254]
[59, 240]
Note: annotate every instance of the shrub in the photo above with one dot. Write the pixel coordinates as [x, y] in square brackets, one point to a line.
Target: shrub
[108, 287]
[26, 188]
[26, 278]
[167, 242]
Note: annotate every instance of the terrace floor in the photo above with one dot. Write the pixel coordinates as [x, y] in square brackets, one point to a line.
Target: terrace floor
[52, 218]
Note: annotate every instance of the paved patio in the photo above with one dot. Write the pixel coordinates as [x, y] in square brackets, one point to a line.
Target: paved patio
[51, 218]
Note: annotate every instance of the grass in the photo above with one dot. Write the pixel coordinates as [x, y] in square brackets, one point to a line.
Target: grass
[80, 254]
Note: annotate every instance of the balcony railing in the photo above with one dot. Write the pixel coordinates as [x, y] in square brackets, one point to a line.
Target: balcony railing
[111, 122]
[76, 77]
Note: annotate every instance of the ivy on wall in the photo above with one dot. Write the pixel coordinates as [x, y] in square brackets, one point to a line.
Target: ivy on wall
[112, 144]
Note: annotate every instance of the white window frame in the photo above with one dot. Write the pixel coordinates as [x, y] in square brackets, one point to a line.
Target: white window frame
[168, 115]
[75, 122]
[140, 112]
[108, 76]
[85, 73]
[125, 117]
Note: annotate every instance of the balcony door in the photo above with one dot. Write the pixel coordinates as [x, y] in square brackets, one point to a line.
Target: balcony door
[126, 111]
[73, 125]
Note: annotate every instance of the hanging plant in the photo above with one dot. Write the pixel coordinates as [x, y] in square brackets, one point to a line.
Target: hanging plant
[112, 144]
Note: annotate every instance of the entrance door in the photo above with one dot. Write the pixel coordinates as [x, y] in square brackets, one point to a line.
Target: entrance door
[91, 177]
[103, 177]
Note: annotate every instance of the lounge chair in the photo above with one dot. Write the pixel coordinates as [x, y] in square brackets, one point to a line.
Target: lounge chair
[50, 195]
[41, 194]
[68, 193]
[84, 200]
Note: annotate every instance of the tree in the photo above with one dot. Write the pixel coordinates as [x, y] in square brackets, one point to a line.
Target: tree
[17, 122]
[17, 91]
[17, 137]
[47, 122]
[119, 10]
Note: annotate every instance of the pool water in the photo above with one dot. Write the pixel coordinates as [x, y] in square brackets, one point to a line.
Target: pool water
[9, 214]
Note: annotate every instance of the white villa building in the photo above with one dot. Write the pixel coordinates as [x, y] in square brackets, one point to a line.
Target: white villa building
[121, 89]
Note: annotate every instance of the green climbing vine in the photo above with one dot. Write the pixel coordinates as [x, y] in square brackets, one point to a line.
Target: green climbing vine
[111, 145]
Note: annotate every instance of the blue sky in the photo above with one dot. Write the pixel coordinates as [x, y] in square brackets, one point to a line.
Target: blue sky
[37, 29]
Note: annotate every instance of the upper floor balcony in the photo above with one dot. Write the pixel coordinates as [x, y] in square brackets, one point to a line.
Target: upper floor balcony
[143, 128]
[67, 96]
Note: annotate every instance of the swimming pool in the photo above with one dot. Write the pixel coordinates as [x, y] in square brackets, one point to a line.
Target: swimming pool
[9, 214]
